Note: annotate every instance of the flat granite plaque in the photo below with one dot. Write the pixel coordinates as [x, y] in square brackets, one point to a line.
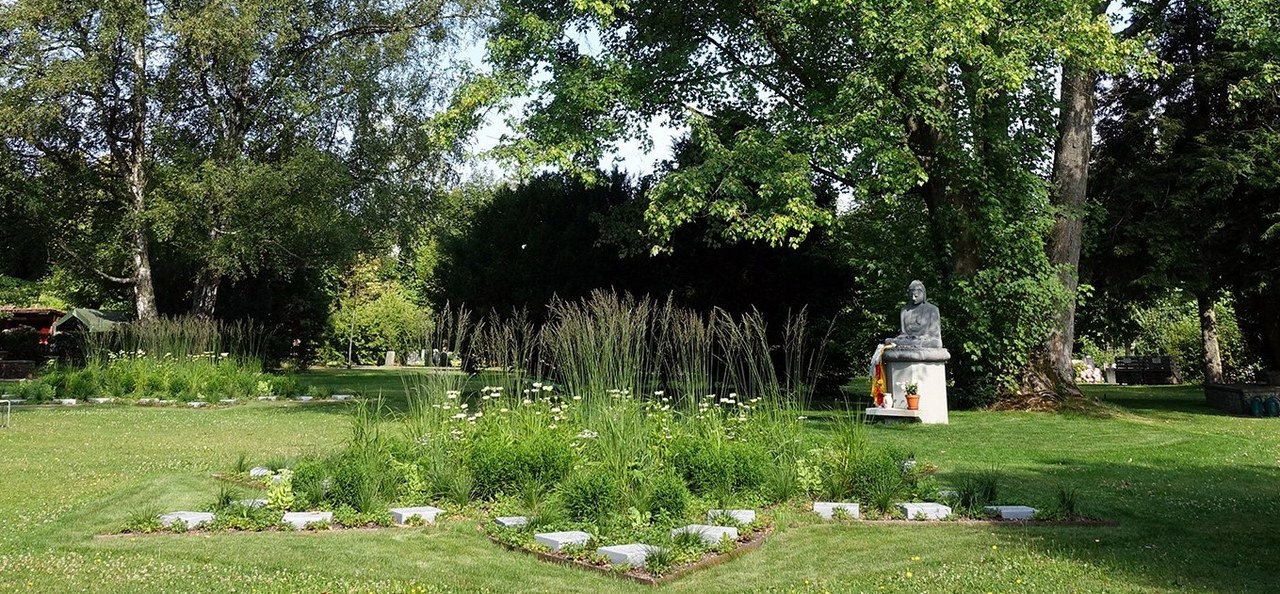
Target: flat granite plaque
[1011, 512]
[559, 540]
[711, 535]
[401, 515]
[511, 521]
[741, 516]
[924, 511]
[301, 519]
[827, 509]
[627, 554]
[190, 518]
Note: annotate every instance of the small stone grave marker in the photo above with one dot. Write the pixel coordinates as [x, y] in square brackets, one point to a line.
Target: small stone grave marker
[190, 518]
[924, 511]
[627, 554]
[401, 515]
[304, 399]
[559, 540]
[266, 399]
[827, 509]
[164, 402]
[300, 520]
[147, 401]
[511, 521]
[341, 397]
[101, 400]
[196, 404]
[1011, 512]
[259, 472]
[741, 516]
[227, 401]
[712, 535]
[66, 401]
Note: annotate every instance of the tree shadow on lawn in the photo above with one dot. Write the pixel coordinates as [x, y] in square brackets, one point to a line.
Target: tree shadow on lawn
[1154, 400]
[1212, 528]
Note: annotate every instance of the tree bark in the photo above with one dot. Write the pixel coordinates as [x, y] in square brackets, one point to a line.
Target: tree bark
[1050, 374]
[143, 289]
[1212, 356]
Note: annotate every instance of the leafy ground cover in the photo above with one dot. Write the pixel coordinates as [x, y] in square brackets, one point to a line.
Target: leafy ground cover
[1193, 490]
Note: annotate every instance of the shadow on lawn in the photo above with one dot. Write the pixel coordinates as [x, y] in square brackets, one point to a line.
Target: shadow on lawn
[1210, 528]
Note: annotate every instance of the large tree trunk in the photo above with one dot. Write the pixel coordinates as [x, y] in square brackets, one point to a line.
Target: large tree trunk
[1050, 374]
[143, 289]
[205, 300]
[1209, 339]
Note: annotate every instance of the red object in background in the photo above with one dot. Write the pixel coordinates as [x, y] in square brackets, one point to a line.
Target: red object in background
[40, 318]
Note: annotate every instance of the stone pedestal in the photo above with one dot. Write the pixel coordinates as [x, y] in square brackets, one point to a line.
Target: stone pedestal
[928, 370]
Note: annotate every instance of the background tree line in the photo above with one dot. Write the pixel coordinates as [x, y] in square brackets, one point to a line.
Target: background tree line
[301, 163]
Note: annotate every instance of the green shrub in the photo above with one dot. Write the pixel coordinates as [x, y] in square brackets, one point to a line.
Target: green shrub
[312, 480]
[590, 495]
[503, 465]
[705, 468]
[668, 496]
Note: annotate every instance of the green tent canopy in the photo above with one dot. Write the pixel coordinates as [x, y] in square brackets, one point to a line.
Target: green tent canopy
[91, 320]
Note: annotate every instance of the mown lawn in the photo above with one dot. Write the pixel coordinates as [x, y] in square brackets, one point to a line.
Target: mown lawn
[1197, 495]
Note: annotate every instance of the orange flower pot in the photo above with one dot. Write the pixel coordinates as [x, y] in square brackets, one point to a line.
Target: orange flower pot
[913, 402]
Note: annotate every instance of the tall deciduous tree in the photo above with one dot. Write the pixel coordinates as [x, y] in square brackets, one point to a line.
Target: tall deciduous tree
[943, 107]
[226, 130]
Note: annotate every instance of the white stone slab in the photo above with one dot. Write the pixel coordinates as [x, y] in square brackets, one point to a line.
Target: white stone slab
[827, 509]
[227, 401]
[924, 511]
[627, 554]
[301, 519]
[102, 400]
[559, 540]
[259, 472]
[146, 401]
[266, 399]
[65, 401]
[931, 378]
[252, 503]
[341, 397]
[511, 521]
[304, 399]
[190, 518]
[711, 535]
[401, 515]
[196, 404]
[1011, 512]
[741, 516]
[164, 402]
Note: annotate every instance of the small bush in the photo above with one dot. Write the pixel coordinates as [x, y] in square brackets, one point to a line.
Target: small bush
[668, 496]
[590, 495]
[502, 465]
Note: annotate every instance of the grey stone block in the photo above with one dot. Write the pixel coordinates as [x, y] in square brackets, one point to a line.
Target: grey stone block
[165, 402]
[301, 519]
[1011, 512]
[148, 401]
[341, 397]
[266, 399]
[627, 554]
[304, 399]
[65, 401]
[924, 511]
[711, 535]
[401, 515]
[259, 472]
[102, 400]
[196, 404]
[559, 540]
[741, 516]
[227, 401]
[827, 509]
[511, 521]
[190, 518]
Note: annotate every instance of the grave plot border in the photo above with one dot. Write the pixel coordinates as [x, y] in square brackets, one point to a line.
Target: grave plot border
[752, 543]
